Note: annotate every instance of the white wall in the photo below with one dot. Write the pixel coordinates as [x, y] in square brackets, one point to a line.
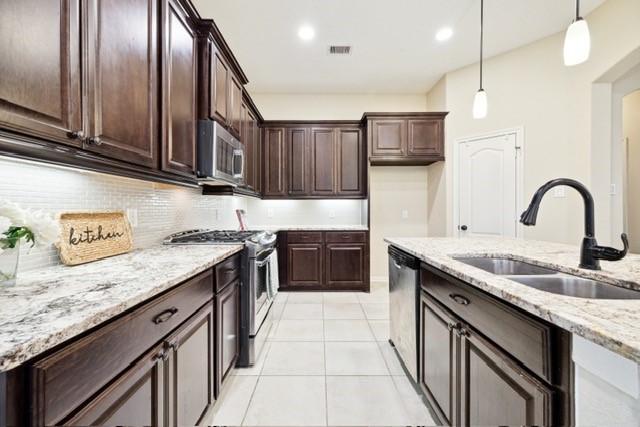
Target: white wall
[392, 189]
[333, 106]
[531, 87]
[631, 135]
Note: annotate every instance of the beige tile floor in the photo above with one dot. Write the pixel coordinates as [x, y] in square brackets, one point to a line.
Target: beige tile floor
[327, 363]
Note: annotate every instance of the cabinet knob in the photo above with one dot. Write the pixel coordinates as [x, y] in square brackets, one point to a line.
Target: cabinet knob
[76, 134]
[94, 140]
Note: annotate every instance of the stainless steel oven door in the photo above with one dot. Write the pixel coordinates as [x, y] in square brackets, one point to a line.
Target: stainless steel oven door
[259, 297]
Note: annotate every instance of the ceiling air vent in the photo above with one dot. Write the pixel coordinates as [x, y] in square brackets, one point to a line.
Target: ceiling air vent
[339, 50]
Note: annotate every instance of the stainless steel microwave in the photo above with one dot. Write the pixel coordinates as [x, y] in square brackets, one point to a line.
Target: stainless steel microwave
[220, 155]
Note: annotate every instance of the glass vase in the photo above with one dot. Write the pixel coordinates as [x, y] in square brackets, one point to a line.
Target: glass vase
[9, 261]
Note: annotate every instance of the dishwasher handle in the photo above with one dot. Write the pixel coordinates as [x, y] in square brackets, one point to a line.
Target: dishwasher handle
[402, 259]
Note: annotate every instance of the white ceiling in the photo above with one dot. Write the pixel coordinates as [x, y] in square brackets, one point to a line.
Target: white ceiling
[394, 49]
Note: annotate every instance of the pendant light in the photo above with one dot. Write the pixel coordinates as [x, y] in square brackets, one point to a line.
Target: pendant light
[480, 100]
[577, 41]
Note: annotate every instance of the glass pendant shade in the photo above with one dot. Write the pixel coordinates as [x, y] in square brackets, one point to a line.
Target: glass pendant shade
[480, 105]
[577, 43]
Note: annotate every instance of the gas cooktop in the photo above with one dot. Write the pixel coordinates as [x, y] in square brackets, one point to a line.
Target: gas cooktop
[204, 237]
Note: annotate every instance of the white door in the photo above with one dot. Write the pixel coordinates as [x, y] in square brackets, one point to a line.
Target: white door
[487, 187]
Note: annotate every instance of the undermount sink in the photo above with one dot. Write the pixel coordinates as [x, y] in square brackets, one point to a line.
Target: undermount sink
[578, 287]
[548, 280]
[505, 267]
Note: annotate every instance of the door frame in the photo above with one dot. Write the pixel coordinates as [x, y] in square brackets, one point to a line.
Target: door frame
[520, 151]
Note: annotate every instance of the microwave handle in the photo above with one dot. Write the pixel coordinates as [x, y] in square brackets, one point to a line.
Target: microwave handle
[239, 153]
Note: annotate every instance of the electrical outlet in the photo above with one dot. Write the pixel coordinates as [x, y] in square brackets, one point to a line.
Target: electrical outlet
[559, 192]
[614, 190]
[132, 216]
[270, 213]
[332, 213]
[405, 214]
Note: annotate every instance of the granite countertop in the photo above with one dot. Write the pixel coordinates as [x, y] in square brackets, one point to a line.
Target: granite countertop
[613, 324]
[49, 306]
[274, 228]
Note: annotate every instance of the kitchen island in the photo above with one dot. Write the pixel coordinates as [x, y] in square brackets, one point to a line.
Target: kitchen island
[524, 339]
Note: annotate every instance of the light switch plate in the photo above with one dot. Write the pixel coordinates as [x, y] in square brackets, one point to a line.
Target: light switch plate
[332, 213]
[270, 213]
[405, 214]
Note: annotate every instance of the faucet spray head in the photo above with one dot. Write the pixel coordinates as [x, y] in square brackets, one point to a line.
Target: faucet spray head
[529, 216]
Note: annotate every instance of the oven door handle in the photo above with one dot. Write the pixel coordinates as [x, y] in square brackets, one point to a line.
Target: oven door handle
[262, 263]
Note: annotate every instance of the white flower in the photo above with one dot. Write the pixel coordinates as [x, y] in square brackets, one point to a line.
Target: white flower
[5, 223]
[13, 212]
[44, 227]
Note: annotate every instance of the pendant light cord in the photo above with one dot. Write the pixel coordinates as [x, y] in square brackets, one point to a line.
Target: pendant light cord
[482, 38]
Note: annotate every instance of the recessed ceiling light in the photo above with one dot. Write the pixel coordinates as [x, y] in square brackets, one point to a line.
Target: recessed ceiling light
[306, 32]
[444, 34]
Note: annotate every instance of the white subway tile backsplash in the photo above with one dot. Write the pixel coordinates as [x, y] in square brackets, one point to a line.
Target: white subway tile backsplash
[162, 209]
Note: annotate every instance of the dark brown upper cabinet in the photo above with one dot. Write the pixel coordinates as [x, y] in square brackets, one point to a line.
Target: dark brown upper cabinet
[251, 150]
[179, 91]
[275, 163]
[350, 164]
[122, 80]
[40, 70]
[323, 162]
[405, 138]
[298, 161]
[235, 105]
[219, 86]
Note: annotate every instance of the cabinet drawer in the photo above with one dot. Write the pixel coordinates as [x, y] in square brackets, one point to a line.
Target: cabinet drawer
[304, 236]
[525, 338]
[65, 379]
[228, 271]
[346, 237]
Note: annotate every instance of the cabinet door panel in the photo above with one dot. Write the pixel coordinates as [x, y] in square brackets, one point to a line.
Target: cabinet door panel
[346, 265]
[40, 68]
[123, 79]
[135, 398]
[219, 102]
[191, 367]
[235, 104]
[298, 161]
[305, 264]
[251, 150]
[388, 137]
[274, 162]
[495, 391]
[350, 163]
[323, 159]
[228, 330]
[439, 347]
[179, 138]
[425, 137]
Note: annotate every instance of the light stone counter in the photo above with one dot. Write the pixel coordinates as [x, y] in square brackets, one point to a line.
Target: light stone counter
[52, 305]
[613, 324]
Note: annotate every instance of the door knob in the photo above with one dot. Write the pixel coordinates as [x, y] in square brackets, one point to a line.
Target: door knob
[463, 227]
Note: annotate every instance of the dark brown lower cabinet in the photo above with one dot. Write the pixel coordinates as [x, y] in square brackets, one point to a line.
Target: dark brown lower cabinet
[305, 264]
[190, 379]
[228, 331]
[346, 264]
[135, 398]
[470, 380]
[172, 385]
[324, 260]
[494, 390]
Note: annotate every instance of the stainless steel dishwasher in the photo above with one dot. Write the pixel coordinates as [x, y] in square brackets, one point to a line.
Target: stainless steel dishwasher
[403, 307]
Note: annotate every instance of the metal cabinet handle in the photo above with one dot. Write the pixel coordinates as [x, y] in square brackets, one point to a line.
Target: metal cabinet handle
[165, 315]
[94, 140]
[460, 299]
[454, 327]
[76, 134]
[462, 332]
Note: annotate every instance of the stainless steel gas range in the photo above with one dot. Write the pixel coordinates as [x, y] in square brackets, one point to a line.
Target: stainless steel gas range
[257, 292]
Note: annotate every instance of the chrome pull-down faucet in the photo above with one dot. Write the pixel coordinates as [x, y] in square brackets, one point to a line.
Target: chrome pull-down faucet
[591, 253]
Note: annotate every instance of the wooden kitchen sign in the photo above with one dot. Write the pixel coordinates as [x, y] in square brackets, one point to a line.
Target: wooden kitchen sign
[90, 236]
